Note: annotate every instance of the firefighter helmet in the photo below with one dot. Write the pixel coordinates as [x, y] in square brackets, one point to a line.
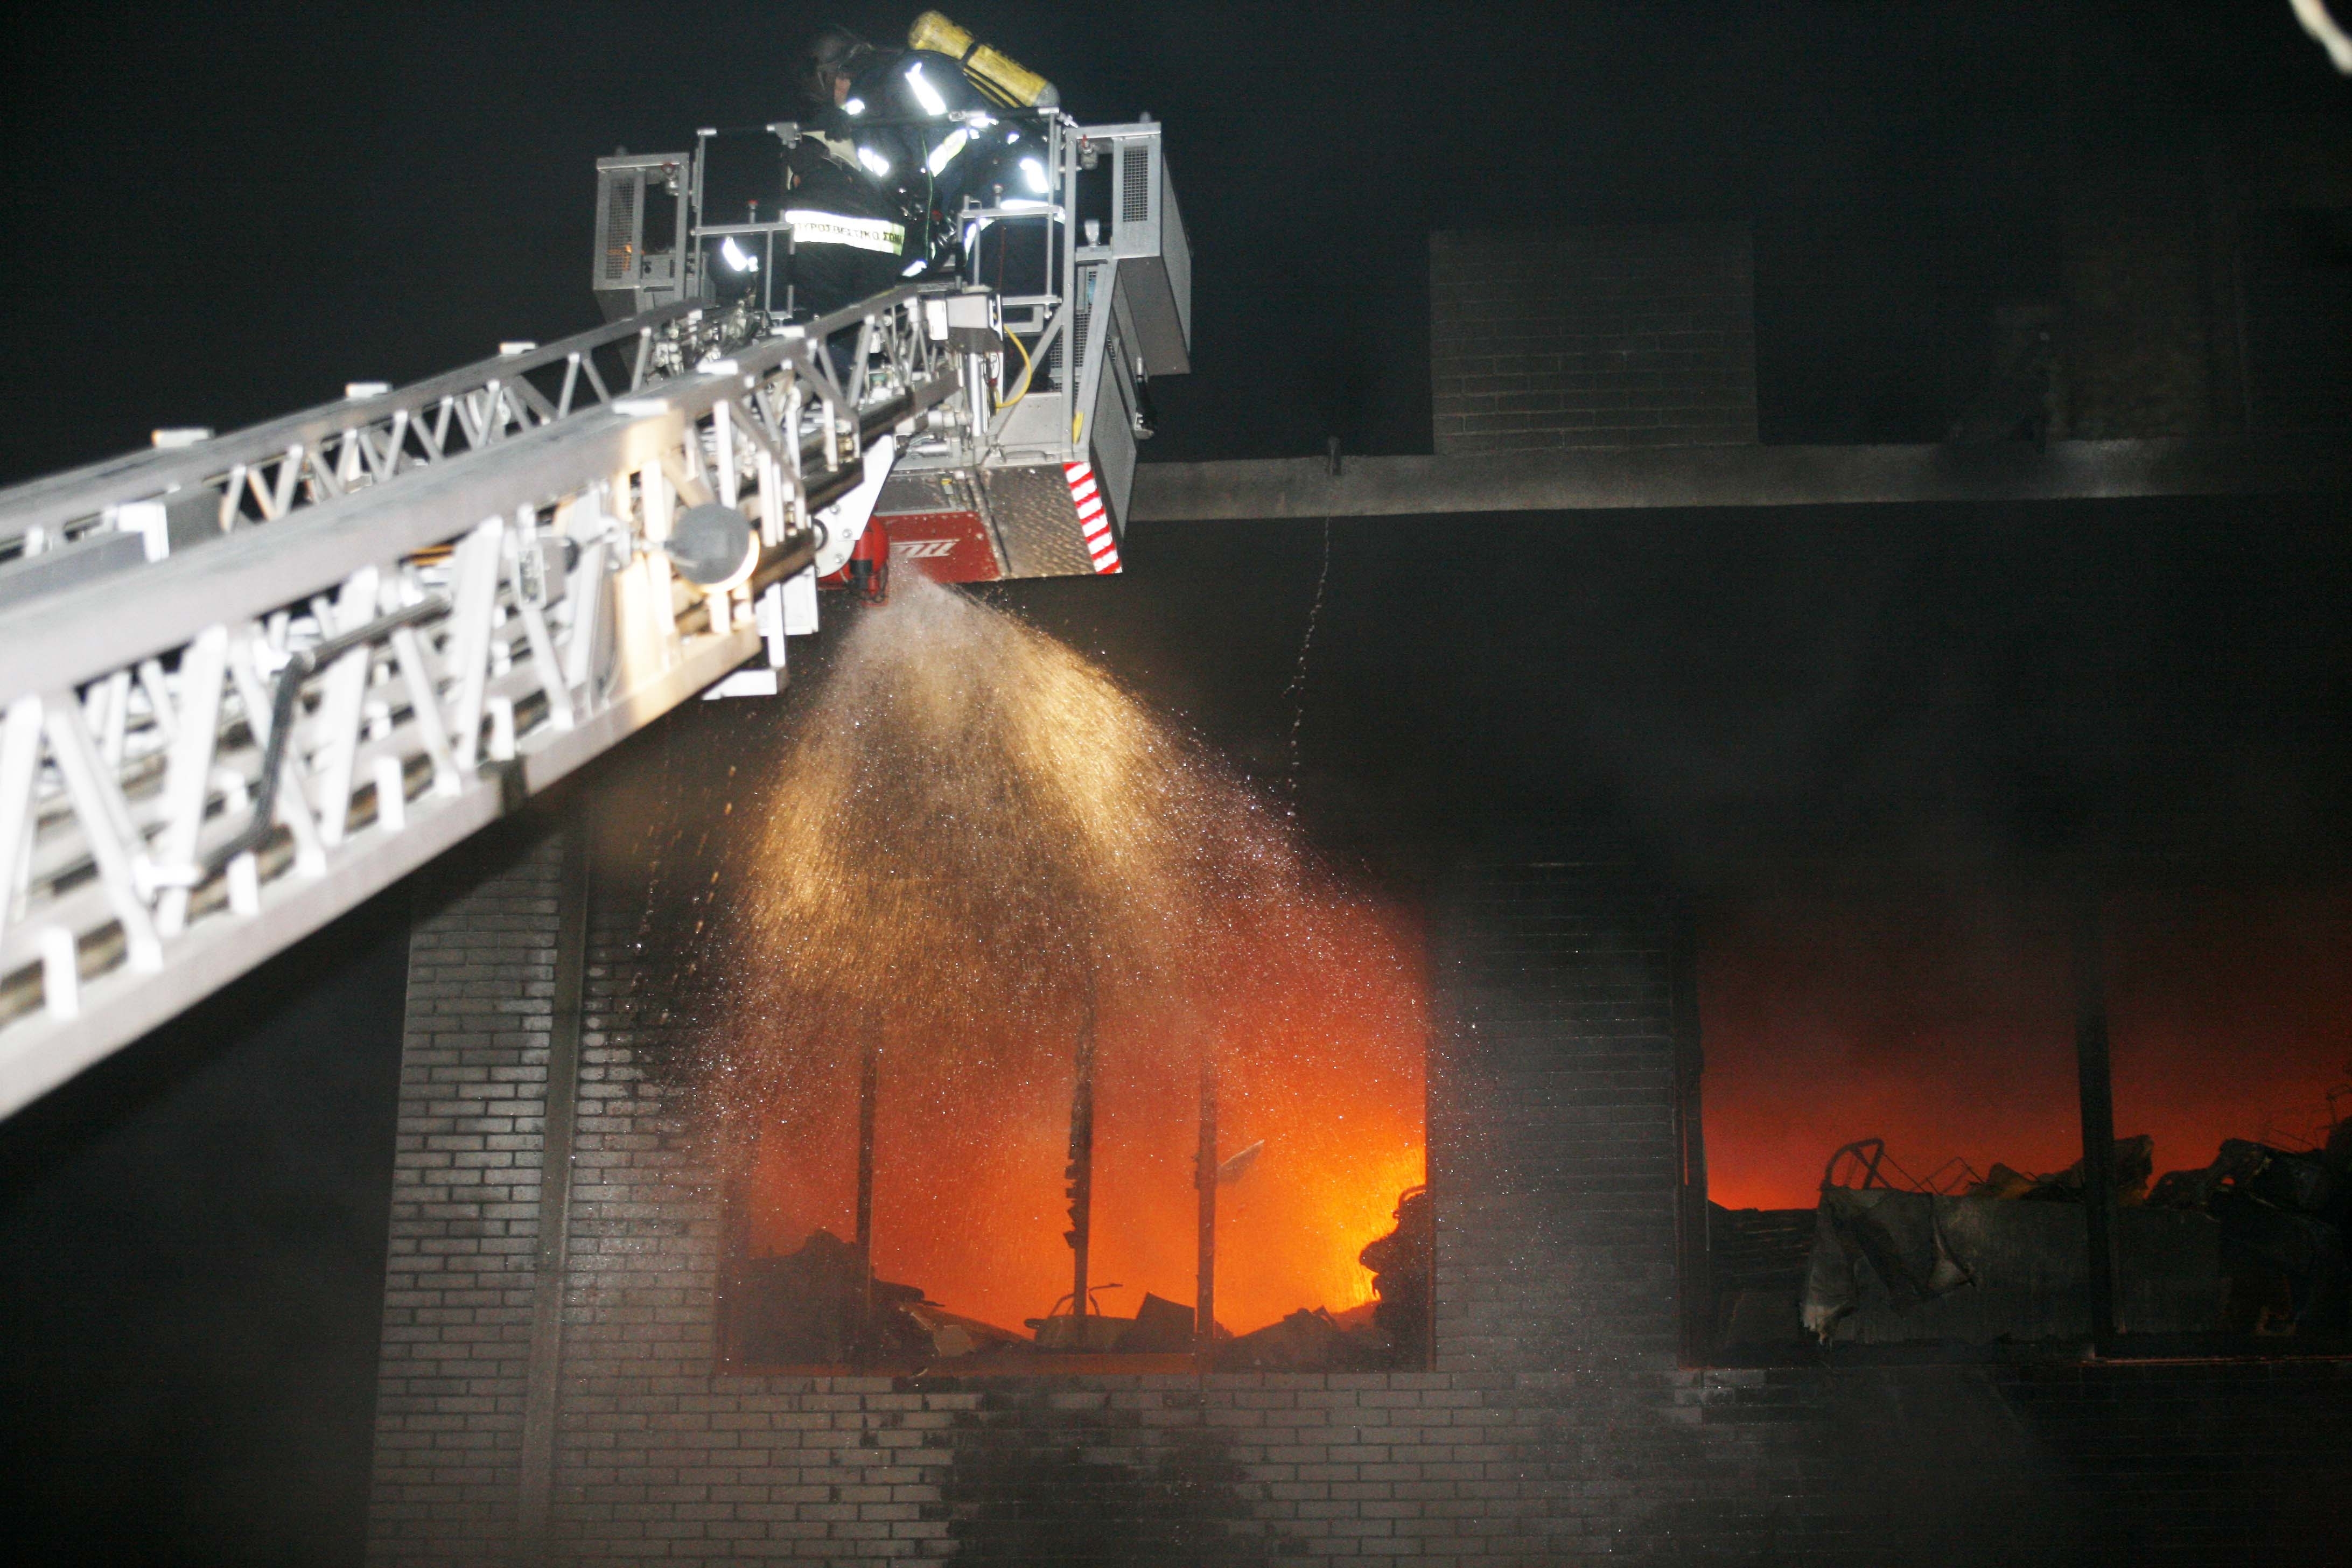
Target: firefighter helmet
[830, 53]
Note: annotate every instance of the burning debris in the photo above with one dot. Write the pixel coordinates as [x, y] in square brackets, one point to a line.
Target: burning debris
[821, 1306]
[2252, 1243]
[1391, 1329]
[2284, 1214]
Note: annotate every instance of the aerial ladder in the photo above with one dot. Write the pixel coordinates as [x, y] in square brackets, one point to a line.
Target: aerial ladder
[248, 681]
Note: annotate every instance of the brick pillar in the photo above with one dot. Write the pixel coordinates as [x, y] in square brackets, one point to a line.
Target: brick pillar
[1556, 1161]
[460, 1296]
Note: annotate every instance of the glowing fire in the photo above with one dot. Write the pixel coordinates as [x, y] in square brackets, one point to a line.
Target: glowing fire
[979, 842]
[1944, 1024]
[1325, 1067]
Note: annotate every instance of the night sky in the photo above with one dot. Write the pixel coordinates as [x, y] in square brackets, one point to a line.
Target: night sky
[1863, 713]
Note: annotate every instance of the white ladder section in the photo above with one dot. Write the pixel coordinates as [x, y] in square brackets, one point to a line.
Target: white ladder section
[206, 486]
[406, 615]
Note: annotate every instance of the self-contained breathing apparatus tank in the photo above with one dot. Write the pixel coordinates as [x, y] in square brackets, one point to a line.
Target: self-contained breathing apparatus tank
[995, 73]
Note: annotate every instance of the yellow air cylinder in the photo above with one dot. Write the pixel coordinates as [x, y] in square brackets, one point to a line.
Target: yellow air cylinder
[999, 75]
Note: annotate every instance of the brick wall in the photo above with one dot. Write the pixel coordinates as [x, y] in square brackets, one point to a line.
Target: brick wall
[1618, 335]
[2137, 338]
[2132, 1464]
[1557, 1425]
[464, 1205]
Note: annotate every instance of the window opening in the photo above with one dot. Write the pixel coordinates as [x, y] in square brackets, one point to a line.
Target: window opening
[2232, 1065]
[1974, 1045]
[1886, 1066]
[1037, 900]
[908, 1208]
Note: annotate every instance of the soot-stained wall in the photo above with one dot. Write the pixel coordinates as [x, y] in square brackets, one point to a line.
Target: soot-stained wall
[1560, 1422]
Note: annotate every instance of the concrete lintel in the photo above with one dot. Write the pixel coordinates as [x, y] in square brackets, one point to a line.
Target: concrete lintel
[1614, 478]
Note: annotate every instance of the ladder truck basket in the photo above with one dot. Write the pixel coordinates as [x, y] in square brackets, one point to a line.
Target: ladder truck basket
[248, 681]
[1030, 474]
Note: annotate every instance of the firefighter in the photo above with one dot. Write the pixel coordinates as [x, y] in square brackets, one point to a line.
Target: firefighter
[1403, 1264]
[911, 128]
[845, 198]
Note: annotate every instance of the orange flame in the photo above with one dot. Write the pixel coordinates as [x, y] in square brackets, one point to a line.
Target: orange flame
[1321, 1053]
[1946, 1026]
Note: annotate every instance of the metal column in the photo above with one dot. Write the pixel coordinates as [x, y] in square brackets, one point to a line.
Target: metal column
[2096, 1088]
[1204, 1176]
[542, 1378]
[1080, 1172]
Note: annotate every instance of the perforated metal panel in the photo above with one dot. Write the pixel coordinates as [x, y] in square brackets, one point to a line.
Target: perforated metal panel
[1110, 434]
[1155, 270]
[642, 259]
[1135, 183]
[1081, 315]
[620, 238]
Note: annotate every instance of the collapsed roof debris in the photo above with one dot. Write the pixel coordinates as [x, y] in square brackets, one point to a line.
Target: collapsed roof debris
[2251, 1243]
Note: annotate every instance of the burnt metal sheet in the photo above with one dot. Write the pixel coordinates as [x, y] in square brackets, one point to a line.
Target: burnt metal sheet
[1891, 1267]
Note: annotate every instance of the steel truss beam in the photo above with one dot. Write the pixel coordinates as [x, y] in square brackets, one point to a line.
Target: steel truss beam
[206, 758]
[1603, 479]
[266, 472]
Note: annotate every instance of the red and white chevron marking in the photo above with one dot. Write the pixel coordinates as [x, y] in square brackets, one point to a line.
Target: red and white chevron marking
[1093, 520]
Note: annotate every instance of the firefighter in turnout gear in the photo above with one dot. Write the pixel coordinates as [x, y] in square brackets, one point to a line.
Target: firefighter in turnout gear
[896, 141]
[849, 216]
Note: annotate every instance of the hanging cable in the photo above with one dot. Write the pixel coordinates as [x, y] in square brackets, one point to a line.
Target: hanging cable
[1297, 689]
[1023, 390]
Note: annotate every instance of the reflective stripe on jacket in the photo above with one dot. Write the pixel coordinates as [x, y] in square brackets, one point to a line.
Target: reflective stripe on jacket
[813, 226]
